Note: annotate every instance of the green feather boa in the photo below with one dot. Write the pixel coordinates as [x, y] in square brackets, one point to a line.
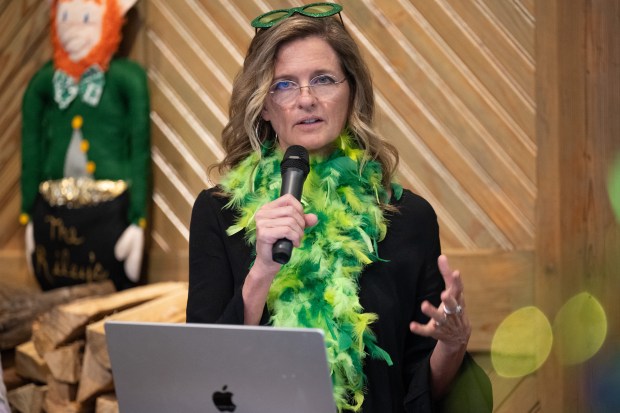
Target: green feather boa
[318, 288]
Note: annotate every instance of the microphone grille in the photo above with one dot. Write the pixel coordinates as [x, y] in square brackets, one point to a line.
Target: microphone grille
[296, 156]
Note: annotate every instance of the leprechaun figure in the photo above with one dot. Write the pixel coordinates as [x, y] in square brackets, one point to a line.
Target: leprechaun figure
[86, 152]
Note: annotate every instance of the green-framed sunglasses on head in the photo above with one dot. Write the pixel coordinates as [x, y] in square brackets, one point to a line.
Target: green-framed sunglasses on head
[268, 19]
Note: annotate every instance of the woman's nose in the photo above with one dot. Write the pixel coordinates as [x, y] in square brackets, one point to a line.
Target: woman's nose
[306, 94]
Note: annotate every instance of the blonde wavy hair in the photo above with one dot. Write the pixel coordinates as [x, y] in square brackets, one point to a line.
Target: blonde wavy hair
[246, 131]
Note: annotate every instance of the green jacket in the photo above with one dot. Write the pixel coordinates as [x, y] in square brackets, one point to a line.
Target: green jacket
[117, 131]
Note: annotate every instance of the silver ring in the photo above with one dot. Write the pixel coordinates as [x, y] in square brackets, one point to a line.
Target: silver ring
[458, 310]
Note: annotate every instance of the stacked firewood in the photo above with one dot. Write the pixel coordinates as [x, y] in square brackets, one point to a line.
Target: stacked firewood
[65, 364]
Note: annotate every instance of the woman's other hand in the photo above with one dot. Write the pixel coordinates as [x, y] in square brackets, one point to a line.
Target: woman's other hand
[449, 322]
[450, 326]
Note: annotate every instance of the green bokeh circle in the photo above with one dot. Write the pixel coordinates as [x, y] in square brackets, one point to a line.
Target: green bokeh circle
[579, 328]
[521, 343]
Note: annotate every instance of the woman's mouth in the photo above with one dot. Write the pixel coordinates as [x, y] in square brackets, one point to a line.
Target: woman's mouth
[309, 121]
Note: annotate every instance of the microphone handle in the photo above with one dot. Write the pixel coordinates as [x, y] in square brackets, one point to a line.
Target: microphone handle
[292, 183]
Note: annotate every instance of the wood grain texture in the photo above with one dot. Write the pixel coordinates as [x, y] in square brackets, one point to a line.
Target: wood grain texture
[169, 308]
[578, 133]
[455, 93]
[28, 398]
[475, 94]
[496, 284]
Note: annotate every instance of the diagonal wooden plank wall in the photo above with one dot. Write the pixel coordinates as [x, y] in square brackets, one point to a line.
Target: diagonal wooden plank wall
[455, 93]
[454, 90]
[24, 47]
[431, 92]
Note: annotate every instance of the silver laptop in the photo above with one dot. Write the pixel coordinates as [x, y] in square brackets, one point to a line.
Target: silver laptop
[207, 368]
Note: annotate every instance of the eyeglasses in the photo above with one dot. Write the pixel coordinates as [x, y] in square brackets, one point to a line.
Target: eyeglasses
[324, 87]
[319, 10]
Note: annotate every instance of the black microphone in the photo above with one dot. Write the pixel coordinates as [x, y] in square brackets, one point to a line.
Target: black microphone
[294, 169]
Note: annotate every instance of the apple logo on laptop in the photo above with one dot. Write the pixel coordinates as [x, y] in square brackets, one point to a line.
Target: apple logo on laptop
[223, 400]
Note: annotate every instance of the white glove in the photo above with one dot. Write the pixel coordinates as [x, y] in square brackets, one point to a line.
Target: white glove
[129, 248]
[29, 241]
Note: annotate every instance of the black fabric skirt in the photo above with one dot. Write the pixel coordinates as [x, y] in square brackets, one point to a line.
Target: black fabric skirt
[76, 245]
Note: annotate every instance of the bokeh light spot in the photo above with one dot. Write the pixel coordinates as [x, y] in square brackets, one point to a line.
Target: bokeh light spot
[613, 187]
[521, 343]
[580, 328]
